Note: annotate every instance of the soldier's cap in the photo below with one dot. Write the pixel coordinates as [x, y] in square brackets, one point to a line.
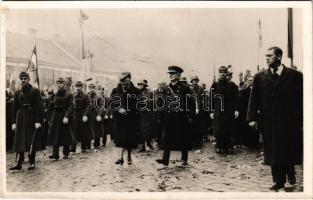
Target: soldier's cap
[60, 80]
[183, 79]
[174, 70]
[124, 75]
[223, 69]
[162, 84]
[194, 78]
[91, 85]
[143, 82]
[78, 83]
[23, 75]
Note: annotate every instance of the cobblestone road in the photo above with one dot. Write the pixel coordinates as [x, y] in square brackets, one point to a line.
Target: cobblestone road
[96, 172]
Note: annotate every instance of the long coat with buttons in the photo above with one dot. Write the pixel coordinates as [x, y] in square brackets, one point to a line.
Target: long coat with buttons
[224, 103]
[61, 106]
[177, 136]
[27, 110]
[83, 131]
[279, 101]
[97, 109]
[126, 127]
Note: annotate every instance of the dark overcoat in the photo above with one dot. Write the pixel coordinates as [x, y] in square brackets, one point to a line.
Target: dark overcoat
[126, 127]
[224, 103]
[27, 110]
[61, 106]
[179, 110]
[279, 101]
[8, 118]
[97, 109]
[83, 131]
[147, 117]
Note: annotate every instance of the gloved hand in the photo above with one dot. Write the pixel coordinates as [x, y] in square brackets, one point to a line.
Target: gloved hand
[85, 118]
[98, 118]
[253, 124]
[65, 120]
[122, 111]
[212, 115]
[13, 127]
[106, 117]
[37, 125]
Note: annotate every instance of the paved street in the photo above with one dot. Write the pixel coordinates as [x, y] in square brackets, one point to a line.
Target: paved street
[96, 172]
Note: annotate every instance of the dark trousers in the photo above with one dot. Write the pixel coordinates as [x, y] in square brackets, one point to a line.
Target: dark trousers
[20, 157]
[166, 155]
[104, 140]
[96, 143]
[66, 151]
[84, 145]
[279, 173]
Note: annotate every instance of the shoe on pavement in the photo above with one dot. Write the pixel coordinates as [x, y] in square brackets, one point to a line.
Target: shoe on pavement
[16, 167]
[161, 161]
[276, 187]
[31, 166]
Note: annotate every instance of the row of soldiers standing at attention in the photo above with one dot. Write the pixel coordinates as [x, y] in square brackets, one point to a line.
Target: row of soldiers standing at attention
[67, 116]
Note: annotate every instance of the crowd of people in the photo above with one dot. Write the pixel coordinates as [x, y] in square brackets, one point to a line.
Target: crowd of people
[176, 116]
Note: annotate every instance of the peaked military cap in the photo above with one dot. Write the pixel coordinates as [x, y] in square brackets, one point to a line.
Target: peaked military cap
[183, 79]
[23, 75]
[223, 69]
[91, 85]
[60, 80]
[78, 83]
[143, 82]
[174, 70]
[124, 75]
[194, 78]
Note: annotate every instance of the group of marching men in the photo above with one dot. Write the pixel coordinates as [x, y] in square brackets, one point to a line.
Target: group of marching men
[270, 103]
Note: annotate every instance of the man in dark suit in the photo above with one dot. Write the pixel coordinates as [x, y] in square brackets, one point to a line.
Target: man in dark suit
[277, 97]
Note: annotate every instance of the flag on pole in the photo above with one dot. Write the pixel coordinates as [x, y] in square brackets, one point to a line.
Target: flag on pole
[83, 17]
[32, 69]
[290, 34]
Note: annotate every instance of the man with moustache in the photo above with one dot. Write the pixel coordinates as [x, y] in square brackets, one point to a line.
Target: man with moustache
[27, 116]
[177, 116]
[60, 111]
[277, 99]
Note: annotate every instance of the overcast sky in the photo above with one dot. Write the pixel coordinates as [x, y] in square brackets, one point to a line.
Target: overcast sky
[192, 38]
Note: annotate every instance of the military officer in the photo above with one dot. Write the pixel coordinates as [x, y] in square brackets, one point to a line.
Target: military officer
[83, 130]
[27, 116]
[178, 114]
[60, 111]
[224, 96]
[96, 115]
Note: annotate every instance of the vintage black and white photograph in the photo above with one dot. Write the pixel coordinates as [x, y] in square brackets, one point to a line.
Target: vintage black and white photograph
[138, 99]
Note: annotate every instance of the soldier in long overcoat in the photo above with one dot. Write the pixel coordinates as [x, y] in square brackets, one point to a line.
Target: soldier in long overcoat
[200, 124]
[83, 129]
[224, 111]
[178, 115]
[60, 117]
[125, 116]
[96, 114]
[108, 118]
[159, 102]
[277, 98]
[27, 116]
[146, 116]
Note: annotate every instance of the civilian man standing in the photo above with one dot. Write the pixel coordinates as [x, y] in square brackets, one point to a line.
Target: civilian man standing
[278, 97]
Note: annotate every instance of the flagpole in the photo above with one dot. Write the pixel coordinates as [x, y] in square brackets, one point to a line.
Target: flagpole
[37, 68]
[290, 36]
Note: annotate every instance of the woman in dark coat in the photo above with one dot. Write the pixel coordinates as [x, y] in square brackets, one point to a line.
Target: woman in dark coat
[59, 115]
[83, 130]
[125, 115]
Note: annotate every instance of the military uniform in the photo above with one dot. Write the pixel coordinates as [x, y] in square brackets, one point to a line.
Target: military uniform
[27, 110]
[97, 104]
[83, 131]
[176, 119]
[8, 109]
[224, 102]
[60, 133]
